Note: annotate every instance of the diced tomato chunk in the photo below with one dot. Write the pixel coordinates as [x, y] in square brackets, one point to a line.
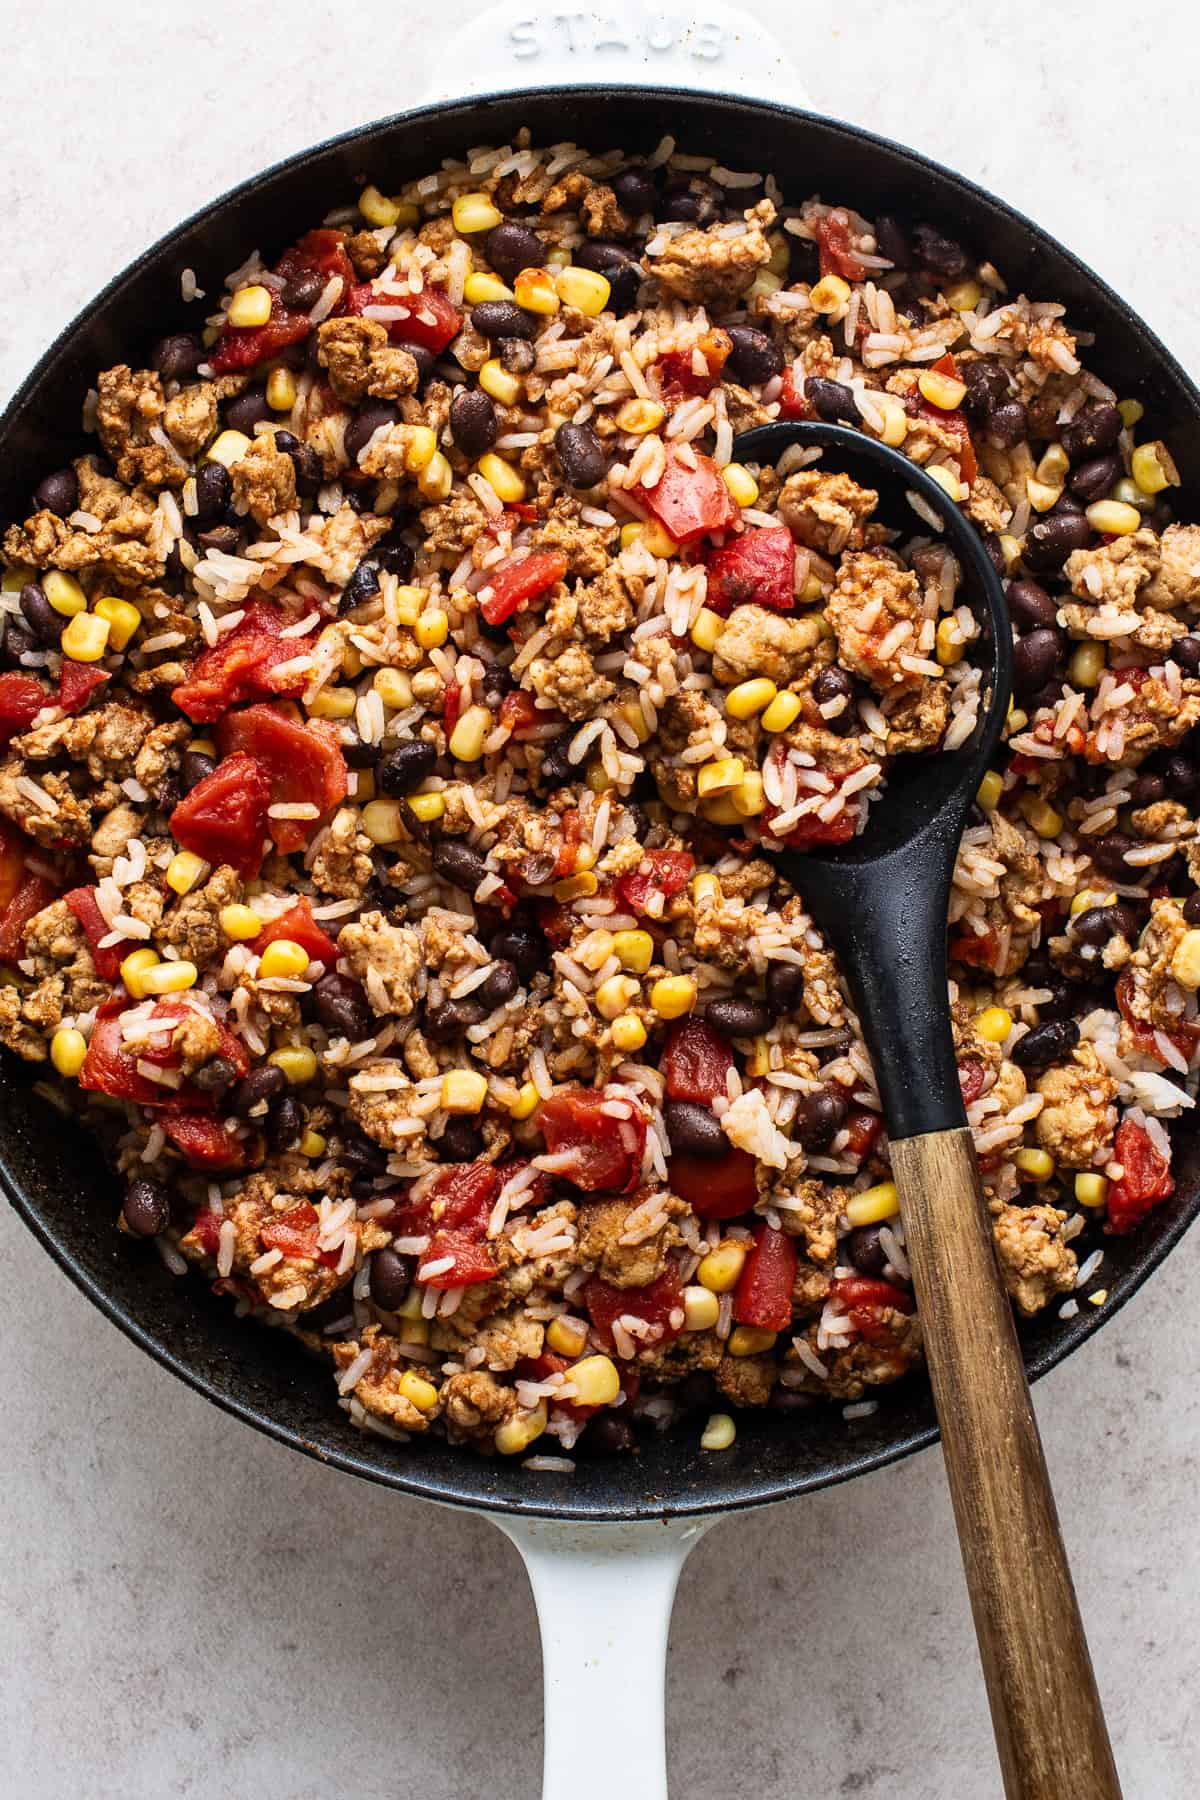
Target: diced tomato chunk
[715, 1187]
[758, 568]
[660, 872]
[83, 903]
[519, 713]
[297, 1233]
[696, 1062]
[464, 1195]
[298, 925]
[978, 949]
[689, 503]
[22, 697]
[322, 250]
[792, 403]
[866, 1301]
[224, 818]
[833, 240]
[655, 1304]
[77, 682]
[206, 1143]
[303, 763]
[111, 1069]
[862, 1129]
[206, 1229]
[1147, 1178]
[678, 375]
[605, 1152]
[972, 1073]
[471, 1260]
[954, 423]
[241, 665]
[427, 318]
[1145, 1035]
[763, 1296]
[14, 847]
[241, 346]
[31, 897]
[515, 581]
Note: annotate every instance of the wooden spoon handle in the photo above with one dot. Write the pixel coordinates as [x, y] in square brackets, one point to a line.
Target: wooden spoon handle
[1046, 1710]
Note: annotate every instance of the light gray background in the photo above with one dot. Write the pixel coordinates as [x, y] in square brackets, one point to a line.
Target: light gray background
[191, 1610]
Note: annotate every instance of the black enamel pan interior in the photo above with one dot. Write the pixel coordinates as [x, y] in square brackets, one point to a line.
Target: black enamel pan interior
[49, 1167]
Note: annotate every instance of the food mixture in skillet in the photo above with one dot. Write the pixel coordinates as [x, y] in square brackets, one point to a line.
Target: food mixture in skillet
[395, 703]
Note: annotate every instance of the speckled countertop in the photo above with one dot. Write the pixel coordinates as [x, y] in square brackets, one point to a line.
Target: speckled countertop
[190, 1610]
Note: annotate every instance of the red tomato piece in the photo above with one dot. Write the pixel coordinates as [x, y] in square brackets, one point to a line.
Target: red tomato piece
[77, 682]
[323, 250]
[655, 1304]
[792, 403]
[22, 697]
[206, 1229]
[696, 1062]
[758, 568]
[1144, 1034]
[465, 1194]
[554, 920]
[866, 1301]
[206, 1143]
[833, 242]
[605, 1152]
[31, 896]
[689, 503]
[715, 1187]
[972, 1073]
[763, 1295]
[303, 763]
[224, 818]
[241, 346]
[14, 847]
[515, 581]
[1147, 1178]
[862, 1128]
[978, 950]
[298, 924]
[678, 375]
[83, 903]
[451, 707]
[518, 712]
[241, 666]
[471, 1260]
[110, 1069]
[660, 872]
[295, 1232]
[955, 422]
[427, 318]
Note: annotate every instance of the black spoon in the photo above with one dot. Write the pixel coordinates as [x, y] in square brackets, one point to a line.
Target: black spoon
[881, 903]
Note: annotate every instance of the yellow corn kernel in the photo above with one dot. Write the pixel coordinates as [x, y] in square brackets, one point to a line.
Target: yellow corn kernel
[281, 390]
[783, 711]
[657, 541]
[614, 995]
[420, 449]
[507, 482]
[463, 1090]
[634, 950]
[706, 889]
[1153, 467]
[134, 968]
[313, 1144]
[758, 1063]
[64, 593]
[706, 629]
[393, 687]
[283, 958]
[566, 1338]
[947, 480]
[989, 791]
[638, 417]
[1132, 412]
[202, 746]
[1016, 720]
[994, 1024]
[170, 977]
[432, 629]
[829, 294]
[417, 1391]
[241, 923]
[1037, 1164]
[963, 296]
[701, 1309]
[576, 887]
[949, 643]
[781, 255]
[635, 718]
[944, 391]
[524, 1428]
[376, 208]
[250, 306]
[14, 579]
[297, 1061]
[184, 871]
[535, 292]
[895, 423]
[495, 380]
[631, 534]
[585, 858]
[332, 703]
[123, 618]
[362, 785]
[1010, 550]
[526, 1103]
[85, 638]
[596, 1381]
[1131, 494]
[584, 289]
[720, 810]
[1042, 816]
[1185, 963]
[1113, 517]
[719, 1433]
[382, 822]
[428, 807]
[1053, 467]
[749, 797]
[228, 449]
[413, 1330]
[599, 780]
[766, 282]
[475, 212]
[436, 478]
[673, 995]
[467, 738]
[68, 1048]
[628, 1033]
[721, 1270]
[595, 949]
[479, 287]
[1086, 665]
[741, 483]
[1098, 1298]
[750, 1340]
[1042, 496]
[874, 1204]
[750, 697]
[718, 777]
[1091, 1190]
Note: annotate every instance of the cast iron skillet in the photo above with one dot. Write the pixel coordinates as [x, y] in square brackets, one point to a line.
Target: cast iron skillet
[49, 1168]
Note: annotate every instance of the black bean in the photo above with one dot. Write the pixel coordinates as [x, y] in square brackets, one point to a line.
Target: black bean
[1108, 854]
[220, 537]
[503, 319]
[305, 461]
[695, 200]
[58, 493]
[19, 641]
[285, 1124]
[619, 268]
[365, 424]
[511, 247]
[341, 1007]
[865, 1250]
[1099, 923]
[1180, 776]
[1159, 517]
[739, 1018]
[214, 489]
[987, 387]
[516, 356]
[1096, 428]
[755, 357]
[176, 358]
[1030, 605]
[39, 615]
[146, 1209]
[581, 455]
[819, 1118]
[636, 191]
[424, 358]
[831, 400]
[448, 1021]
[781, 1399]
[940, 254]
[1034, 658]
[1092, 479]
[248, 410]
[500, 986]
[522, 946]
[833, 683]
[693, 1129]
[1007, 424]
[785, 987]
[258, 1088]
[402, 770]
[1186, 652]
[607, 1434]
[555, 767]
[214, 1076]
[891, 240]
[1066, 503]
[362, 586]
[458, 863]
[303, 291]
[1147, 790]
[461, 1141]
[473, 422]
[194, 768]
[1045, 1044]
[1191, 909]
[391, 1277]
[1052, 538]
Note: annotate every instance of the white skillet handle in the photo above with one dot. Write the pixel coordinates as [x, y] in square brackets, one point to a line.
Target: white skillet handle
[714, 49]
[604, 1595]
